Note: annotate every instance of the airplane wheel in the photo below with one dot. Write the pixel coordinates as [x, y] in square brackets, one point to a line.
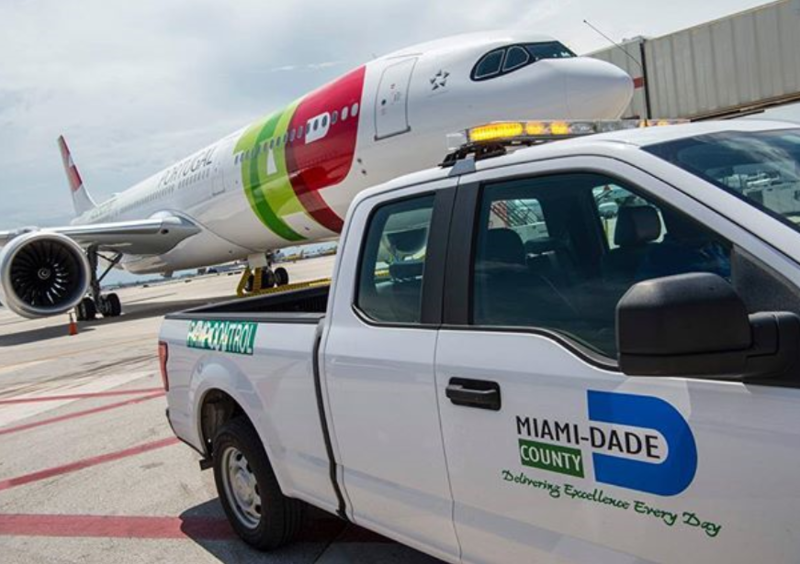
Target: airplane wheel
[281, 276]
[251, 282]
[268, 279]
[86, 310]
[114, 305]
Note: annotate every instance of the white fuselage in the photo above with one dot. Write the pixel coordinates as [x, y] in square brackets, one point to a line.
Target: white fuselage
[253, 192]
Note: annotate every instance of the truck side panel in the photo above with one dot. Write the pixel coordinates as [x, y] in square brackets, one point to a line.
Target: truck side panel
[272, 381]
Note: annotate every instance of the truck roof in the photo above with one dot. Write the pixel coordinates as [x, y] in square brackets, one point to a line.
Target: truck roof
[600, 143]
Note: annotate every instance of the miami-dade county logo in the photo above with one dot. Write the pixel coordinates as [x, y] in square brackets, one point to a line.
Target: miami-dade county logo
[223, 336]
[654, 453]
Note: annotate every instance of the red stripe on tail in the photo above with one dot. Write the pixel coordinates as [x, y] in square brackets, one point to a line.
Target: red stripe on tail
[73, 176]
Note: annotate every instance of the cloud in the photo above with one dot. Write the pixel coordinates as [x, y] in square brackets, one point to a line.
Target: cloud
[309, 66]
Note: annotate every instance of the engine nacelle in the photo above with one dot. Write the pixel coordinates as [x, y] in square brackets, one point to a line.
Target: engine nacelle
[43, 274]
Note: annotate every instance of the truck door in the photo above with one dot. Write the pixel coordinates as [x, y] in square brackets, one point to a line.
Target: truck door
[378, 369]
[391, 103]
[554, 455]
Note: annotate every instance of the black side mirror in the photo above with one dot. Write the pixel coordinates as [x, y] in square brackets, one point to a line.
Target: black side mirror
[697, 325]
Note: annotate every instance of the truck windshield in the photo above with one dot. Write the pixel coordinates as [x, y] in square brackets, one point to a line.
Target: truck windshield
[762, 168]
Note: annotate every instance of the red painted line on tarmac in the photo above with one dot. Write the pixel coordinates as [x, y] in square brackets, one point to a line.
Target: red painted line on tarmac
[85, 463]
[141, 527]
[115, 526]
[77, 414]
[81, 396]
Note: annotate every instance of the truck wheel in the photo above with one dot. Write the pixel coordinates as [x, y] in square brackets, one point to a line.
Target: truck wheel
[251, 497]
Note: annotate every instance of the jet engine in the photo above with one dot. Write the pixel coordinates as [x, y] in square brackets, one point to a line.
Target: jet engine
[42, 274]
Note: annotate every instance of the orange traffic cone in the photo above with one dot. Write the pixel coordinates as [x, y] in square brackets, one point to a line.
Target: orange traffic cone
[73, 327]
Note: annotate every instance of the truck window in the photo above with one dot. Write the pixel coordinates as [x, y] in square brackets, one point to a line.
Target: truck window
[761, 168]
[563, 260]
[393, 261]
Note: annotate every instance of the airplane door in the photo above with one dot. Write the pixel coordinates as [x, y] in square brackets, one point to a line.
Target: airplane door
[391, 104]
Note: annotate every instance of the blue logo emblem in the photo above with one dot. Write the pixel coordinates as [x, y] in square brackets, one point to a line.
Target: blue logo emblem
[670, 477]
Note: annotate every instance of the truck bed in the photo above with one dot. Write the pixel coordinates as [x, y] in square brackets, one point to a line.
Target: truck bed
[273, 378]
[305, 305]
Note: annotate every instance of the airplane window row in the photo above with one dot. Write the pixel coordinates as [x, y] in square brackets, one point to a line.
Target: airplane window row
[191, 179]
[152, 197]
[296, 134]
[508, 59]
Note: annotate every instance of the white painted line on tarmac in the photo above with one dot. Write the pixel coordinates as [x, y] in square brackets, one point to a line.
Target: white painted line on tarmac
[15, 412]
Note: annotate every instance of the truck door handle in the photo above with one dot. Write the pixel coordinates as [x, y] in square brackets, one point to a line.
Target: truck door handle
[481, 394]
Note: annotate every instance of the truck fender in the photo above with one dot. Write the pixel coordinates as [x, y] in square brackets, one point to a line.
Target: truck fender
[217, 372]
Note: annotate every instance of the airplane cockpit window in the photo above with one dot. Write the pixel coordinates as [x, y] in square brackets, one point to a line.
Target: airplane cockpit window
[489, 65]
[549, 50]
[509, 59]
[515, 58]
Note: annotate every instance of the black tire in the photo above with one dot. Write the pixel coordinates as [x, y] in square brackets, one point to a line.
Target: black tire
[281, 517]
[281, 276]
[251, 282]
[114, 305]
[86, 310]
[268, 279]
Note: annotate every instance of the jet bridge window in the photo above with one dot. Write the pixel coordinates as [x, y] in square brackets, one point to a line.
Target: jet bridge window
[393, 261]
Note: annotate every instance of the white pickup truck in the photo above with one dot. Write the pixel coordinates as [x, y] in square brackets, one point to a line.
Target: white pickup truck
[582, 351]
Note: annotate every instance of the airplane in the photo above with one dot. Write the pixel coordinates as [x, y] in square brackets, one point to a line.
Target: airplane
[288, 178]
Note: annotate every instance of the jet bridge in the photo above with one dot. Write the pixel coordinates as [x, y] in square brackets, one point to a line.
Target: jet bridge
[733, 66]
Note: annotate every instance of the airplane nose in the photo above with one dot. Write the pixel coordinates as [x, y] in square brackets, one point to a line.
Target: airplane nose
[595, 89]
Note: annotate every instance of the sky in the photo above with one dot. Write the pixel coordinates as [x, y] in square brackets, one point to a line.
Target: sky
[134, 86]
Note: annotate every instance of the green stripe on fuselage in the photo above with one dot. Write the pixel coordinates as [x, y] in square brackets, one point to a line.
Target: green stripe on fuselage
[270, 195]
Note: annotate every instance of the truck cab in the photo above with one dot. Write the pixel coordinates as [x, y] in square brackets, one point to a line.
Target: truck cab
[580, 351]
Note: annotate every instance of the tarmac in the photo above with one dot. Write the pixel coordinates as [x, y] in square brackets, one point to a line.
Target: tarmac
[89, 469]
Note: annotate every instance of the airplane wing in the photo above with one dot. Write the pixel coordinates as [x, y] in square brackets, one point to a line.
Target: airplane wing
[140, 237]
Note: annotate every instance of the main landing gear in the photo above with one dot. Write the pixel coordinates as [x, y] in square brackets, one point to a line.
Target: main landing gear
[107, 305]
[260, 278]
